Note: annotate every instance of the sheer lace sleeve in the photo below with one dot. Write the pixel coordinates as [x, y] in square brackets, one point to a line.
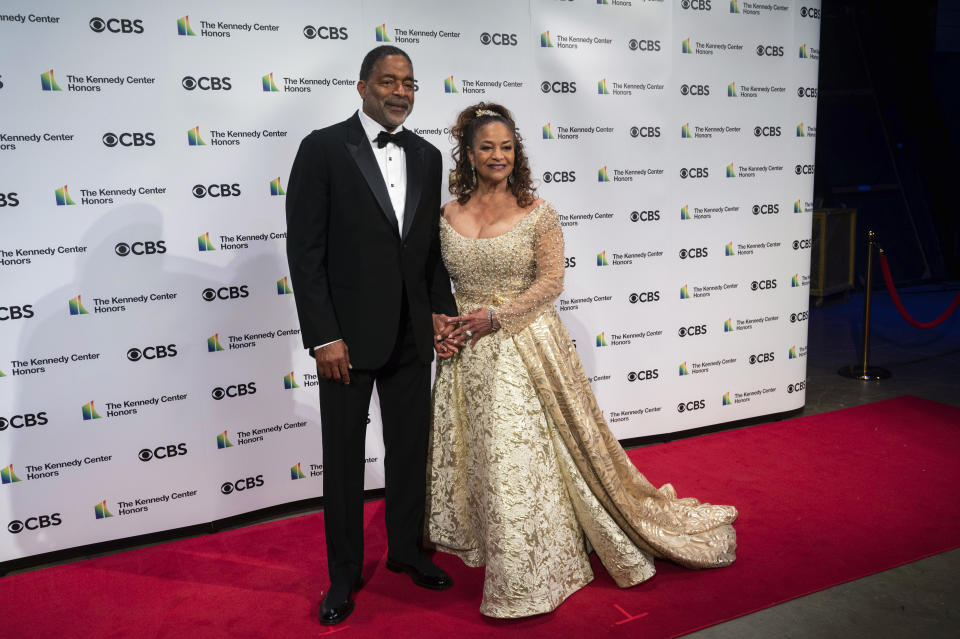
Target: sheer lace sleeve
[548, 283]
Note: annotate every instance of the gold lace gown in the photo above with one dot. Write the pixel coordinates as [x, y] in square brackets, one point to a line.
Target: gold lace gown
[525, 476]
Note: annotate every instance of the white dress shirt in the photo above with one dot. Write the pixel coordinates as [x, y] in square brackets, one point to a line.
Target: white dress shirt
[392, 160]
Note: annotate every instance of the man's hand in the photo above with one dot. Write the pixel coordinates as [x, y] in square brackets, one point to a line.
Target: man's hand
[333, 362]
[442, 343]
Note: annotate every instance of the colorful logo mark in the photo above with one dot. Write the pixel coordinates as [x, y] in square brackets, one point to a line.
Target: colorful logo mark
[449, 86]
[213, 343]
[601, 340]
[800, 133]
[728, 249]
[289, 382]
[797, 207]
[726, 399]
[193, 137]
[2, 374]
[602, 259]
[283, 286]
[602, 87]
[48, 82]
[7, 476]
[728, 325]
[730, 172]
[684, 293]
[732, 90]
[683, 369]
[276, 188]
[268, 84]
[685, 213]
[545, 39]
[76, 306]
[803, 51]
[602, 175]
[183, 26]
[794, 281]
[63, 197]
[602, 2]
[89, 411]
[685, 131]
[223, 441]
[203, 243]
[547, 133]
[686, 46]
[792, 354]
[296, 472]
[734, 6]
[382, 34]
[101, 511]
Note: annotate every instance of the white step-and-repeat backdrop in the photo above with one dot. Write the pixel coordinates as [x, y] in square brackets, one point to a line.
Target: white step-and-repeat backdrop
[151, 370]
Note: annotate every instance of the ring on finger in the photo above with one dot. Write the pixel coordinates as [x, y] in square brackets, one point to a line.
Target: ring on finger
[469, 333]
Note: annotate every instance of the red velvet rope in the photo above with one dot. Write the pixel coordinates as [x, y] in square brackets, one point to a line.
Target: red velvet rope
[903, 311]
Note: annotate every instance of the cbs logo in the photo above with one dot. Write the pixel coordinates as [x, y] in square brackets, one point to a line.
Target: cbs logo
[641, 376]
[646, 296]
[216, 190]
[140, 248]
[696, 5]
[690, 331]
[34, 523]
[558, 87]
[697, 404]
[810, 12]
[225, 293]
[111, 140]
[766, 131]
[645, 216]
[761, 358]
[162, 452]
[325, 33]
[643, 45]
[116, 25]
[807, 92]
[797, 387]
[23, 421]
[246, 483]
[570, 262]
[763, 285]
[9, 199]
[803, 169]
[695, 89]
[766, 209]
[770, 50]
[693, 253]
[236, 390]
[645, 131]
[499, 38]
[802, 244]
[694, 172]
[799, 317]
[152, 352]
[206, 83]
[16, 312]
[559, 176]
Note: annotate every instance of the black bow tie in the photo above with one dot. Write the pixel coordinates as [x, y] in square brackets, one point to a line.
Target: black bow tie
[399, 138]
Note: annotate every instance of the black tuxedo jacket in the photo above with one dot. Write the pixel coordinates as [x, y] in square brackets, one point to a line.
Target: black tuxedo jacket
[349, 263]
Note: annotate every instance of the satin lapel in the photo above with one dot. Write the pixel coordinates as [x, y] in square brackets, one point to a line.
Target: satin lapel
[414, 186]
[362, 154]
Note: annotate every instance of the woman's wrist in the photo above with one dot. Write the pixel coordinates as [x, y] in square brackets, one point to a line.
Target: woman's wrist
[492, 319]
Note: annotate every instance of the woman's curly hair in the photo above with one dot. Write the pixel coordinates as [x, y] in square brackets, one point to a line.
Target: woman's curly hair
[462, 182]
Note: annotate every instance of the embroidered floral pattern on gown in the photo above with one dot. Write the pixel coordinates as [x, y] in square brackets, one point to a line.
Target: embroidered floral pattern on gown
[525, 476]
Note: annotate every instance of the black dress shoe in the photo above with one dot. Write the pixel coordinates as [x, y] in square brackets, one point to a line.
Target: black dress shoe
[337, 604]
[425, 574]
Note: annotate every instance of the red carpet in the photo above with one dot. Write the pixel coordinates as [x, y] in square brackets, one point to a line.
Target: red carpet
[823, 500]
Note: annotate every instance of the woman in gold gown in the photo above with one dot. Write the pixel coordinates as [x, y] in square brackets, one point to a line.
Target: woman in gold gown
[524, 475]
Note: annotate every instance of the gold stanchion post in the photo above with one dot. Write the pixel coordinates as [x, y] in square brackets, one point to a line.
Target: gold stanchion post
[863, 370]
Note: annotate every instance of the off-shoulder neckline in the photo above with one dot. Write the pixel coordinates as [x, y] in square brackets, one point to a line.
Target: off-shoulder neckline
[494, 237]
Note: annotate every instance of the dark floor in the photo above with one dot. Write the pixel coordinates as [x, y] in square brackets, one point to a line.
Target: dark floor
[921, 599]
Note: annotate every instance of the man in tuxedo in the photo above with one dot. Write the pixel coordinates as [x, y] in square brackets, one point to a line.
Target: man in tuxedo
[363, 207]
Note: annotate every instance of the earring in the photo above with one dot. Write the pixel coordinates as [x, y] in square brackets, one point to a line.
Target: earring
[473, 173]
